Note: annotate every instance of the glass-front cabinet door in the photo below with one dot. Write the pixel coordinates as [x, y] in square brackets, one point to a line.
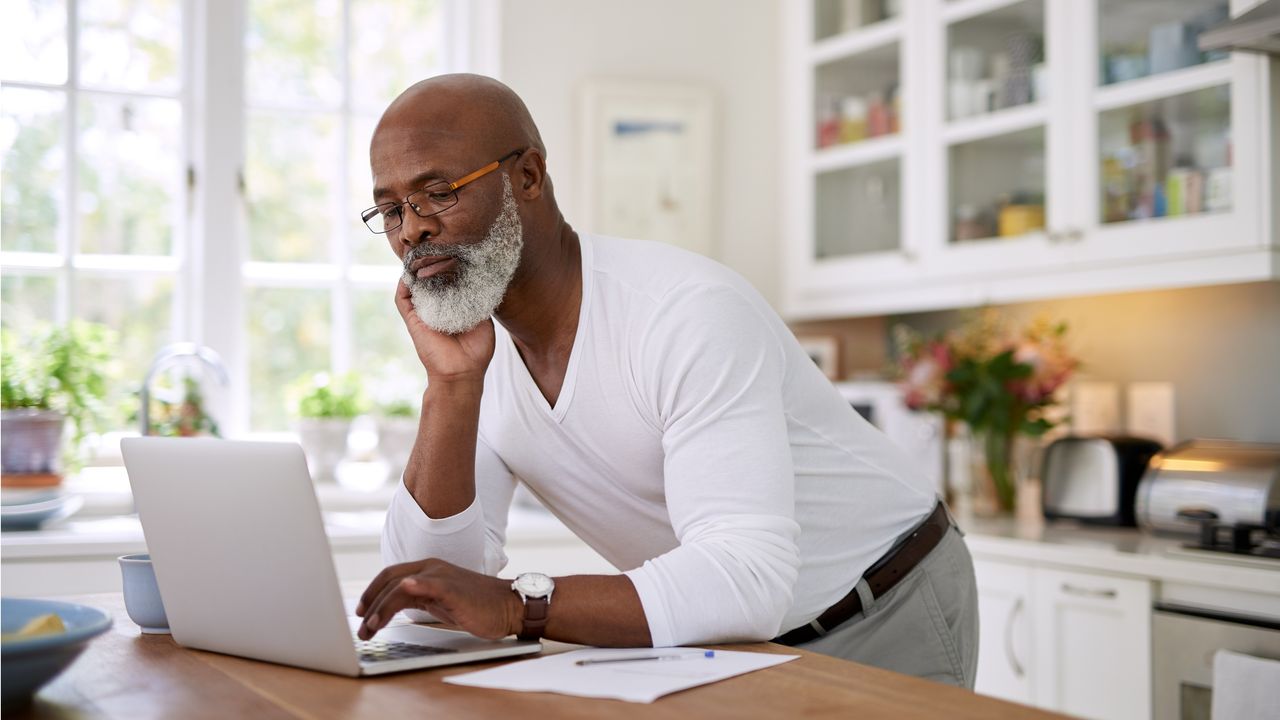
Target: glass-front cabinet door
[853, 170]
[996, 87]
[1004, 124]
[1164, 121]
[857, 111]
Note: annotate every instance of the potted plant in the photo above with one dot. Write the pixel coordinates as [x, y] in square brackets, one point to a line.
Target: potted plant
[996, 384]
[324, 407]
[397, 432]
[48, 377]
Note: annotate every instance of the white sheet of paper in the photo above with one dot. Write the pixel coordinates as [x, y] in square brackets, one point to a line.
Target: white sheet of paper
[641, 682]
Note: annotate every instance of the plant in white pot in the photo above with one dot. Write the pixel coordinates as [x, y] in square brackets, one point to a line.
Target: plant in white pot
[324, 407]
[49, 376]
[397, 431]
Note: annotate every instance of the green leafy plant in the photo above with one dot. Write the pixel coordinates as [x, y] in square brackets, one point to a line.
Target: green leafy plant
[398, 409]
[996, 382]
[63, 368]
[321, 395]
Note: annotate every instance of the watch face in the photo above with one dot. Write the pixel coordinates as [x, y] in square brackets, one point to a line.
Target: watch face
[534, 584]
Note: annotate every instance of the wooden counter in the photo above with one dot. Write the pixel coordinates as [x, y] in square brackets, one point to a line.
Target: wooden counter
[126, 675]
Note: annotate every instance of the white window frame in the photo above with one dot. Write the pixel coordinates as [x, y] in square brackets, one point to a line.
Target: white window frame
[66, 265]
[210, 263]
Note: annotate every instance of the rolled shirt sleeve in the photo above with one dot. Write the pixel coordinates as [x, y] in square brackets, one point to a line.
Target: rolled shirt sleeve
[716, 378]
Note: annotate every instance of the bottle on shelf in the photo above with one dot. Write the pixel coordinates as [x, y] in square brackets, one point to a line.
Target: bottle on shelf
[828, 124]
[853, 120]
[877, 116]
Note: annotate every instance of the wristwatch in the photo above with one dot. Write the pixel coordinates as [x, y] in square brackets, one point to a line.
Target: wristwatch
[535, 591]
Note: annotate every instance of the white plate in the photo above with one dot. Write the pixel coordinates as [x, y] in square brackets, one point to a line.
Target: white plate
[30, 516]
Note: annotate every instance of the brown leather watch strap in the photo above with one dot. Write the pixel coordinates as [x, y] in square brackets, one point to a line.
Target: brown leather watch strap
[535, 618]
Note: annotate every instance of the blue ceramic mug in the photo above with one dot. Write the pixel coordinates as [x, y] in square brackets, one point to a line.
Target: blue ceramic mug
[142, 594]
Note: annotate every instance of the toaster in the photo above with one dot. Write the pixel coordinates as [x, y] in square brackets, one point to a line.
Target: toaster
[1218, 481]
[1094, 479]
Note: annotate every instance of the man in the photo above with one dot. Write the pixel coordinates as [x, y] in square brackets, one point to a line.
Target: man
[656, 404]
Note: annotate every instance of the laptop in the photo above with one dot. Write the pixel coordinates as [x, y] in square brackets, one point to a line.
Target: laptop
[244, 566]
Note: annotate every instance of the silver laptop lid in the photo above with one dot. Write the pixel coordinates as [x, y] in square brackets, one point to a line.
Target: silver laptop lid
[239, 548]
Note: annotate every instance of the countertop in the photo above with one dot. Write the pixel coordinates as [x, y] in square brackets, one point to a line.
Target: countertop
[124, 674]
[1124, 551]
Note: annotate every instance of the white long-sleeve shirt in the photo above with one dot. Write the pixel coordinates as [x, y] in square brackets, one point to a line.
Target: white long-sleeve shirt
[694, 445]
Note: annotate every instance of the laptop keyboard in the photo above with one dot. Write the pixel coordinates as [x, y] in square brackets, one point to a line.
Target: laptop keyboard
[379, 650]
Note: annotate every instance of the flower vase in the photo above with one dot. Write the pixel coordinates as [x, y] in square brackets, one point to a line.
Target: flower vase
[999, 463]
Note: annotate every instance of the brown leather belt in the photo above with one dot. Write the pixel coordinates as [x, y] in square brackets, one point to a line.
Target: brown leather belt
[881, 577]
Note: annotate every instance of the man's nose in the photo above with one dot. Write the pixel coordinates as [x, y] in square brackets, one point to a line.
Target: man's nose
[416, 230]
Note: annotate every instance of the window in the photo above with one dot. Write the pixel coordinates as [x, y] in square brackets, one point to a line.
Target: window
[92, 110]
[122, 123]
[318, 75]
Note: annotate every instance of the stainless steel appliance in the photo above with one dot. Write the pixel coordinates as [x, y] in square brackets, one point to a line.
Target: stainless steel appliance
[1094, 479]
[1183, 642]
[1227, 493]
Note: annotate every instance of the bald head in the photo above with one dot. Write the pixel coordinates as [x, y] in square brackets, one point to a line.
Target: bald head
[485, 112]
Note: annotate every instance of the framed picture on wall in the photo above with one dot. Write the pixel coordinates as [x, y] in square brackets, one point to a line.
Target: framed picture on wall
[824, 351]
[647, 162]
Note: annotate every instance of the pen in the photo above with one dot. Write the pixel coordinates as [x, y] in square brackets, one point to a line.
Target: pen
[682, 656]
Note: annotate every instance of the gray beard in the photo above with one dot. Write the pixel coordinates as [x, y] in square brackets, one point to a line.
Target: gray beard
[453, 303]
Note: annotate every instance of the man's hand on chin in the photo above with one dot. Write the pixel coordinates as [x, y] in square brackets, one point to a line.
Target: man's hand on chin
[460, 599]
[463, 357]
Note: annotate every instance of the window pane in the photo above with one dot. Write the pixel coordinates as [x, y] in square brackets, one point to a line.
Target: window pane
[383, 353]
[836, 17]
[859, 210]
[33, 41]
[130, 174]
[295, 53]
[141, 311]
[288, 337]
[1166, 157]
[997, 186]
[131, 44]
[997, 60]
[27, 299]
[1137, 38]
[31, 133]
[382, 63]
[292, 167]
[858, 97]
[367, 248]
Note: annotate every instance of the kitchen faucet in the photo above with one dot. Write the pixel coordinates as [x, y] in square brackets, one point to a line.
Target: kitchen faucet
[167, 356]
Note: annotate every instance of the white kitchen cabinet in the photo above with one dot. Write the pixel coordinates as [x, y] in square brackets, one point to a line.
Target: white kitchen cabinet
[944, 153]
[1004, 635]
[1092, 644]
[1070, 641]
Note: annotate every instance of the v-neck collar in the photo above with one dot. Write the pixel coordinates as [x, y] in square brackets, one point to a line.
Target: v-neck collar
[524, 377]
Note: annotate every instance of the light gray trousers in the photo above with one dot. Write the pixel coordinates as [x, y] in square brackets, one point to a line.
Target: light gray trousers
[926, 625]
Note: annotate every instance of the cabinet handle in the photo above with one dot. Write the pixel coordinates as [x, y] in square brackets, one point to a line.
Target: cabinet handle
[1075, 235]
[1010, 653]
[1089, 592]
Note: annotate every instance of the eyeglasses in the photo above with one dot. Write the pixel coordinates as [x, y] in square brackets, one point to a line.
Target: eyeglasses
[430, 200]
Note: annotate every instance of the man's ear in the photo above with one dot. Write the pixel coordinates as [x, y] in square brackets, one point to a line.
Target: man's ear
[530, 175]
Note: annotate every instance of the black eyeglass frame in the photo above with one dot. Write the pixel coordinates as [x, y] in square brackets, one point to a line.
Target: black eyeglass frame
[451, 188]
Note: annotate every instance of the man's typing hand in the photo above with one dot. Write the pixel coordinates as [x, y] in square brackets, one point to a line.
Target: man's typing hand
[484, 606]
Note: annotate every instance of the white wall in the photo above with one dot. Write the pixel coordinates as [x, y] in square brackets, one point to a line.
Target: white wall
[549, 47]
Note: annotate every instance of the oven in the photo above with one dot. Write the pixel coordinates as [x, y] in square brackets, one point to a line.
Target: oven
[1183, 642]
